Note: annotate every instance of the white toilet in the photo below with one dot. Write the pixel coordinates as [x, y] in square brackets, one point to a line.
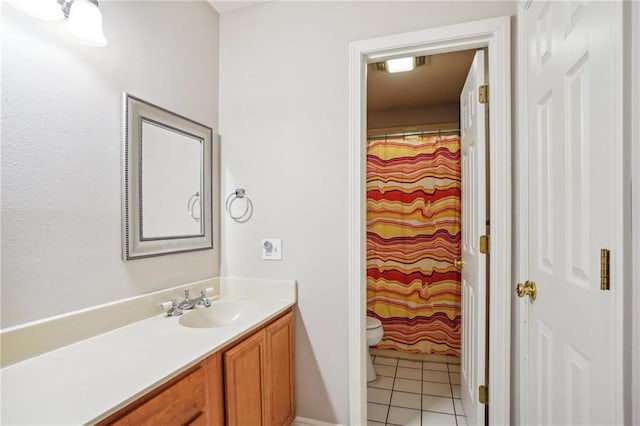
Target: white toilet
[374, 335]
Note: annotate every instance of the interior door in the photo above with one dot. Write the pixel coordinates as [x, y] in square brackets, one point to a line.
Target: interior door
[571, 128]
[474, 195]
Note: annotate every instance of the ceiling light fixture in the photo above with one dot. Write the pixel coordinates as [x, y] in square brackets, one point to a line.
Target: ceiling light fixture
[401, 64]
[82, 17]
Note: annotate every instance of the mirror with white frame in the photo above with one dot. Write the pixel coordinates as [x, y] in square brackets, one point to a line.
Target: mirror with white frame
[166, 185]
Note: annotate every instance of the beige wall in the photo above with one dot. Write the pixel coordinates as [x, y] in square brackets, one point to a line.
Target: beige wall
[284, 114]
[61, 138]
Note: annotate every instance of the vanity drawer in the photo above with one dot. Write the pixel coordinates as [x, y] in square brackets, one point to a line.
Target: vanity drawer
[183, 401]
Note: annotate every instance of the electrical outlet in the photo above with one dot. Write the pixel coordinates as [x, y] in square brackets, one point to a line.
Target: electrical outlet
[272, 249]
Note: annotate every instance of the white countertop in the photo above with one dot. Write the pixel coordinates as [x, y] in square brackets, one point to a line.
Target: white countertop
[91, 379]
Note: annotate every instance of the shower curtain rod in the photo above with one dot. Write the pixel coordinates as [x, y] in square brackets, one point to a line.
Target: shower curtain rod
[428, 132]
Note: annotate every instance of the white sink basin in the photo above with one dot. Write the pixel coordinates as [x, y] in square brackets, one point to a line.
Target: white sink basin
[218, 314]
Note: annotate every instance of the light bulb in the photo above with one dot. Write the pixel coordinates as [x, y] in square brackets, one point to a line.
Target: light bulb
[401, 64]
[85, 23]
[48, 10]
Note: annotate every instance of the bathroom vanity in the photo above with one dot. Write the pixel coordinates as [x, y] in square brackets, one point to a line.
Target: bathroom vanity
[249, 382]
[229, 364]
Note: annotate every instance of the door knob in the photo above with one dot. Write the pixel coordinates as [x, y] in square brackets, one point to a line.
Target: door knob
[458, 263]
[527, 289]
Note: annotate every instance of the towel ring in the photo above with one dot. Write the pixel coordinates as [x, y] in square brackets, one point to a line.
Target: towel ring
[191, 205]
[248, 211]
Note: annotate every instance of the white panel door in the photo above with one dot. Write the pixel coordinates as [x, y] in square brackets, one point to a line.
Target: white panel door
[474, 194]
[571, 106]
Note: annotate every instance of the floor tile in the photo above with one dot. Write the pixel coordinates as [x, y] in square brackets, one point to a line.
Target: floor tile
[382, 382]
[459, 408]
[435, 376]
[454, 368]
[406, 385]
[414, 393]
[456, 391]
[454, 378]
[436, 389]
[377, 412]
[385, 370]
[437, 403]
[386, 361]
[438, 366]
[379, 396]
[409, 373]
[404, 416]
[429, 418]
[406, 400]
[410, 364]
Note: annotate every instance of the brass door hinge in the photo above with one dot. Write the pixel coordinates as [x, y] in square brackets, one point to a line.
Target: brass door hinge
[605, 279]
[483, 394]
[483, 94]
[484, 244]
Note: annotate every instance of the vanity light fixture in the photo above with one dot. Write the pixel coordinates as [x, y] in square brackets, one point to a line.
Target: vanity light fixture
[82, 17]
[85, 22]
[49, 10]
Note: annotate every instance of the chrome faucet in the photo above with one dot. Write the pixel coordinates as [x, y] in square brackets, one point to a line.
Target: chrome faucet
[189, 303]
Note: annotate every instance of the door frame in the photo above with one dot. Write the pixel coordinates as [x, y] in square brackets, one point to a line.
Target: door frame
[494, 34]
[521, 229]
[635, 225]
[620, 273]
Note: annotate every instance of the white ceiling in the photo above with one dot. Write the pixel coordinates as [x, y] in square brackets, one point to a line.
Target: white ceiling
[224, 6]
[438, 82]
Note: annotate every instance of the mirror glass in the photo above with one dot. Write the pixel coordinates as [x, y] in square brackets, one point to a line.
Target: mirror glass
[171, 204]
[167, 182]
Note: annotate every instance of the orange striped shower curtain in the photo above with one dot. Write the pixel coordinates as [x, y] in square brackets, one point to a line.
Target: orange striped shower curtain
[413, 234]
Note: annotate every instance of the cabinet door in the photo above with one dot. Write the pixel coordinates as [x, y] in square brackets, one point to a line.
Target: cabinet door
[280, 406]
[215, 391]
[244, 372]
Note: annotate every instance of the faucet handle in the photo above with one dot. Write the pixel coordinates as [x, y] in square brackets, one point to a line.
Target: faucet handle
[204, 299]
[186, 295]
[175, 310]
[166, 305]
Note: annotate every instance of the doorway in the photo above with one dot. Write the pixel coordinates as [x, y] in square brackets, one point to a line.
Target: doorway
[424, 126]
[492, 34]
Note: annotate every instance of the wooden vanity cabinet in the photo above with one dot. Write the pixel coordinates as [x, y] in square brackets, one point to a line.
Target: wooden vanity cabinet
[259, 377]
[251, 381]
[195, 397]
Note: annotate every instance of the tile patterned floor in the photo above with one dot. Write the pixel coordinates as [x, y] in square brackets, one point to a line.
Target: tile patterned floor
[414, 393]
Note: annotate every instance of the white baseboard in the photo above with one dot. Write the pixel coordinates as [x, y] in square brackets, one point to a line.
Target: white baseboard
[303, 421]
